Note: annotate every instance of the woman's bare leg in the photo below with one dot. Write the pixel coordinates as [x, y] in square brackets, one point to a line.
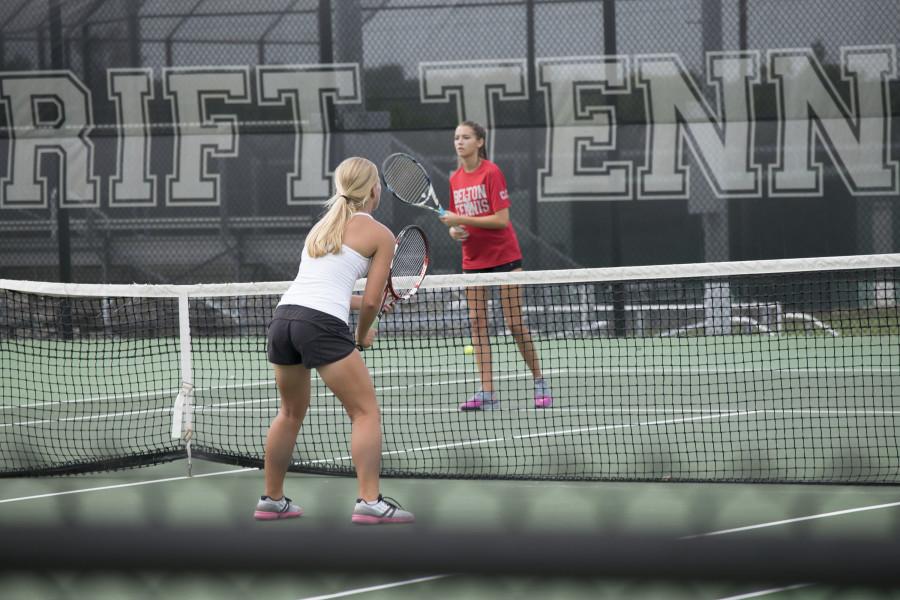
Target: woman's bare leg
[511, 301]
[349, 379]
[293, 383]
[477, 299]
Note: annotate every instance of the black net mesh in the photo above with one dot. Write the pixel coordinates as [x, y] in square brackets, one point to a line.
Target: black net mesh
[772, 376]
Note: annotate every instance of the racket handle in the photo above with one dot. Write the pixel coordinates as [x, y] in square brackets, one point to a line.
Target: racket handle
[441, 211]
[373, 327]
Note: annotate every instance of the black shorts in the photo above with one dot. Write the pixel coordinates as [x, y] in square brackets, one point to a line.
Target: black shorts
[504, 268]
[302, 335]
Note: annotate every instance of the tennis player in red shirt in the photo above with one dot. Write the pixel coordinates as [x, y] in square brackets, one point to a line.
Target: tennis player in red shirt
[479, 219]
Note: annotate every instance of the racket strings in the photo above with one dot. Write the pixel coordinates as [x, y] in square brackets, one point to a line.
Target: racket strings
[408, 267]
[406, 180]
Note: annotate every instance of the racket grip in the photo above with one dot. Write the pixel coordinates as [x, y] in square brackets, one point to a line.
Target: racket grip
[441, 211]
[373, 327]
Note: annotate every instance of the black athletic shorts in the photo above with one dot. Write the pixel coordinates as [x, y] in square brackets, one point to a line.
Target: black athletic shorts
[302, 335]
[504, 268]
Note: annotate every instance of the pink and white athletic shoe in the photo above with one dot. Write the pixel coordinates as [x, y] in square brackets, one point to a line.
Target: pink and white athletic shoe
[542, 396]
[269, 510]
[481, 401]
[380, 511]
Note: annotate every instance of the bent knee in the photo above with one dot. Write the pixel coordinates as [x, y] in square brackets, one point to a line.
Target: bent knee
[366, 410]
[479, 327]
[520, 332]
[291, 413]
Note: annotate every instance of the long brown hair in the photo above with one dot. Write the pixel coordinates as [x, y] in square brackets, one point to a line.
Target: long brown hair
[480, 133]
[354, 179]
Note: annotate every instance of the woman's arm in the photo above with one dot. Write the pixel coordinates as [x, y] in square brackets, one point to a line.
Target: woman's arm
[498, 220]
[369, 303]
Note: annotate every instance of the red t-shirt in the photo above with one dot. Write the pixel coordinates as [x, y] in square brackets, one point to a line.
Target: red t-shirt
[477, 194]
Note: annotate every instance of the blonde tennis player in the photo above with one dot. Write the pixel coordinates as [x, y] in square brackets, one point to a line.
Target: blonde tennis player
[310, 330]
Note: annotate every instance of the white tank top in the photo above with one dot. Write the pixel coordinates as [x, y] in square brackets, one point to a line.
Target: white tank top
[326, 283]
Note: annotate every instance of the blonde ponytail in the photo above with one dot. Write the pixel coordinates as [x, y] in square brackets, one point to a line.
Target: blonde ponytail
[354, 180]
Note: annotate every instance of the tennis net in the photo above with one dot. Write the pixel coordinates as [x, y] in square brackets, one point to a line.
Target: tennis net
[767, 371]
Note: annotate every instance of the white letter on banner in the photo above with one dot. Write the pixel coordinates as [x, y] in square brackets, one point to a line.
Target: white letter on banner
[132, 90]
[576, 126]
[721, 140]
[856, 137]
[26, 96]
[200, 135]
[474, 84]
[306, 88]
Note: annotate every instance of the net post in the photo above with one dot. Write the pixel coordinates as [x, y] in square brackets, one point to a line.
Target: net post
[182, 411]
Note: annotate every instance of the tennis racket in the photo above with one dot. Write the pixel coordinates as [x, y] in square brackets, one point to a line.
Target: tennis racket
[408, 268]
[409, 182]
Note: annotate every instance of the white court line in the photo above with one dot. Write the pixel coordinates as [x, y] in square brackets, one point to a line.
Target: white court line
[260, 383]
[408, 450]
[601, 371]
[271, 404]
[151, 394]
[233, 405]
[519, 437]
[443, 446]
[627, 425]
[767, 592]
[171, 392]
[257, 383]
[387, 410]
[374, 588]
[129, 413]
[699, 370]
[125, 485]
[790, 521]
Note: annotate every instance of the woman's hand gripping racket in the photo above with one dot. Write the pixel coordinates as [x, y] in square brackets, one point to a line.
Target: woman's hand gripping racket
[408, 268]
[409, 182]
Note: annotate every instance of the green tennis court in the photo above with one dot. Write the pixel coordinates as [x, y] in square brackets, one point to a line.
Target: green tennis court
[705, 413]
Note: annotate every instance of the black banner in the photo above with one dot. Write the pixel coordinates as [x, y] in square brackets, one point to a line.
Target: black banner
[163, 142]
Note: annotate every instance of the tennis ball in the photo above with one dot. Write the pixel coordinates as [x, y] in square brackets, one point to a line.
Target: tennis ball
[468, 349]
